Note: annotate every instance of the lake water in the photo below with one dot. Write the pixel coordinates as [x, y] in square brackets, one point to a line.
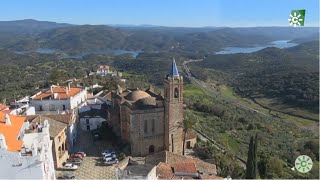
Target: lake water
[64, 55]
[279, 44]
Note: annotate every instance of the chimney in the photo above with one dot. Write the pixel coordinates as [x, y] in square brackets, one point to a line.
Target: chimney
[51, 89]
[3, 144]
[69, 85]
[7, 118]
[67, 90]
[34, 149]
[45, 127]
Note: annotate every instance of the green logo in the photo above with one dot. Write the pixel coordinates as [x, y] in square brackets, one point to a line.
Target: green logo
[297, 17]
[303, 163]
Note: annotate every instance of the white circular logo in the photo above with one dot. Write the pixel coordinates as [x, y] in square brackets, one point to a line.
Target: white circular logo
[303, 163]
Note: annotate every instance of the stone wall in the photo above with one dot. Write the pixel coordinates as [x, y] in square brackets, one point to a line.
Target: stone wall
[147, 129]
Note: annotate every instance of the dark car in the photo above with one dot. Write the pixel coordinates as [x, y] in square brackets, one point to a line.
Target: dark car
[77, 156]
[67, 176]
[96, 135]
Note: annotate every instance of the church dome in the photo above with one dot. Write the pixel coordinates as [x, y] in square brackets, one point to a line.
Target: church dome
[146, 102]
[136, 95]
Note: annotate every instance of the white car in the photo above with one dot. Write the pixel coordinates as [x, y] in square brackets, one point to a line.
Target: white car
[110, 161]
[108, 151]
[109, 155]
[69, 166]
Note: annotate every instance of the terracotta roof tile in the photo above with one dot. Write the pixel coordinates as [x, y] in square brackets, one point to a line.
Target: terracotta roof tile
[55, 126]
[164, 171]
[3, 107]
[11, 132]
[103, 67]
[184, 167]
[171, 158]
[61, 92]
[64, 118]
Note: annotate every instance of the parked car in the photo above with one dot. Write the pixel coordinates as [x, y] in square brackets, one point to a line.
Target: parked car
[69, 166]
[108, 151]
[96, 135]
[76, 156]
[109, 155]
[67, 176]
[83, 154]
[110, 161]
[75, 161]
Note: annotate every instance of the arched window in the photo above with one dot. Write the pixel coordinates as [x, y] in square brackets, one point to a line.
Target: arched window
[60, 151]
[176, 93]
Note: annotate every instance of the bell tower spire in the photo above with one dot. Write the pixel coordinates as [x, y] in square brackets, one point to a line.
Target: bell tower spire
[173, 102]
[174, 70]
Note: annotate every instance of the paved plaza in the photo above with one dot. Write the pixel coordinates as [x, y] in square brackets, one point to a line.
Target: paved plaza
[92, 166]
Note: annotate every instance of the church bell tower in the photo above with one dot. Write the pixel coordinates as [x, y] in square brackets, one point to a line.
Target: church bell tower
[173, 104]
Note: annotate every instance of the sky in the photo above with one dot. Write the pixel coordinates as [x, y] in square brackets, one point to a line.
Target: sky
[177, 13]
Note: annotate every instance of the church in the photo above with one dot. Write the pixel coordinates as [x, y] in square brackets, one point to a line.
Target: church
[150, 122]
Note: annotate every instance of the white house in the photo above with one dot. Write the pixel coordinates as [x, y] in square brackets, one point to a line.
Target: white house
[92, 119]
[24, 154]
[58, 99]
[104, 70]
[70, 121]
[94, 103]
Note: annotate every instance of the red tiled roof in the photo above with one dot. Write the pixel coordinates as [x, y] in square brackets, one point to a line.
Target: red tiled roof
[103, 67]
[62, 93]
[64, 118]
[184, 167]
[171, 158]
[11, 132]
[164, 171]
[3, 107]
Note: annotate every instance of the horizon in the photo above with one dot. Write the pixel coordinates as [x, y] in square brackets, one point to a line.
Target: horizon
[154, 25]
[177, 13]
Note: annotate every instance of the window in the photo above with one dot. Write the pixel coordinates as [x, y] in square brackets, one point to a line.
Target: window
[145, 126]
[88, 128]
[176, 93]
[64, 107]
[87, 121]
[188, 145]
[151, 149]
[40, 108]
[172, 145]
[153, 125]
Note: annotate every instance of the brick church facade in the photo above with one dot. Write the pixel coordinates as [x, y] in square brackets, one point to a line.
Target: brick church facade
[149, 122]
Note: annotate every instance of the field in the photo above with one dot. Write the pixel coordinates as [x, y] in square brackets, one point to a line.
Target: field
[232, 127]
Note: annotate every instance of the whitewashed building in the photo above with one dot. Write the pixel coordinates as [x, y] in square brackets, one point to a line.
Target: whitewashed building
[93, 119]
[104, 70]
[93, 113]
[24, 154]
[58, 99]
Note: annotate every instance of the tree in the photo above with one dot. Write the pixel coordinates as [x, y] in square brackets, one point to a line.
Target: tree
[187, 124]
[251, 165]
